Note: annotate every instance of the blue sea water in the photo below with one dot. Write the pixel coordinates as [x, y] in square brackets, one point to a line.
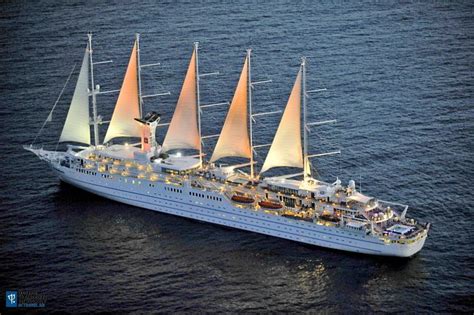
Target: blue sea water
[400, 83]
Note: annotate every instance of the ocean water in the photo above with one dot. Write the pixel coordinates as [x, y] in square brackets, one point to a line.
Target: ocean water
[400, 83]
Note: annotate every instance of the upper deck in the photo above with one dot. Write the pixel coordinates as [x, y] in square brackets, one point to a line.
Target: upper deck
[313, 200]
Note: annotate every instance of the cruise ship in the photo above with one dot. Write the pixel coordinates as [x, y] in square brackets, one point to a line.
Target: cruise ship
[160, 177]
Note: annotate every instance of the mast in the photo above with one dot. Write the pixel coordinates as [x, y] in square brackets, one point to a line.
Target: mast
[305, 128]
[94, 101]
[249, 87]
[140, 98]
[198, 101]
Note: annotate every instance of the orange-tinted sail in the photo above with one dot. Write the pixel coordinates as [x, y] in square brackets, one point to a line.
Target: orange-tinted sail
[183, 130]
[127, 107]
[234, 138]
[286, 149]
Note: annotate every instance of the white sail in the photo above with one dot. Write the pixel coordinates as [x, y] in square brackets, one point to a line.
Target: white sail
[234, 138]
[183, 132]
[77, 128]
[127, 107]
[286, 149]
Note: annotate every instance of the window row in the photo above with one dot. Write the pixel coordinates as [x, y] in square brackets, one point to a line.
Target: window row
[85, 171]
[176, 190]
[205, 196]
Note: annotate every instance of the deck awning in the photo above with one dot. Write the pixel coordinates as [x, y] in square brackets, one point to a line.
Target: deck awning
[358, 197]
[400, 229]
[356, 224]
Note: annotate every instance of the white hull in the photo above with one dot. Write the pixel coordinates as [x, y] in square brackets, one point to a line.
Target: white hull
[180, 201]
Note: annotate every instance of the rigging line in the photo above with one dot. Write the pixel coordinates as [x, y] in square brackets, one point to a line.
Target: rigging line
[50, 115]
[57, 144]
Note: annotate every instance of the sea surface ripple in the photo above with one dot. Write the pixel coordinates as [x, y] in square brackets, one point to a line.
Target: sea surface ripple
[400, 83]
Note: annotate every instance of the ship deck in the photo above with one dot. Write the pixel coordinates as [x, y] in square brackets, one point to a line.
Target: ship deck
[301, 200]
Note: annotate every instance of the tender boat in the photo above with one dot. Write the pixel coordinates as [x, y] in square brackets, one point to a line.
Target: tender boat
[270, 204]
[242, 199]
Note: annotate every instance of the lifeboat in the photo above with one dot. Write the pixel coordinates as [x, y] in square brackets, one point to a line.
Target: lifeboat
[270, 204]
[242, 199]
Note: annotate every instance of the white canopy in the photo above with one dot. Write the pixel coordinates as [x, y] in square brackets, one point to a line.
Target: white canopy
[359, 198]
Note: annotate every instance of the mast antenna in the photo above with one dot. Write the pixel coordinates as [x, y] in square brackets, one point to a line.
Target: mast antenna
[93, 93]
[198, 101]
[140, 97]
[249, 86]
[306, 170]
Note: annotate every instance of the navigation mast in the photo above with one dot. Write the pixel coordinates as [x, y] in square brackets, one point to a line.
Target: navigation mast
[198, 102]
[95, 121]
[140, 98]
[249, 86]
[306, 171]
